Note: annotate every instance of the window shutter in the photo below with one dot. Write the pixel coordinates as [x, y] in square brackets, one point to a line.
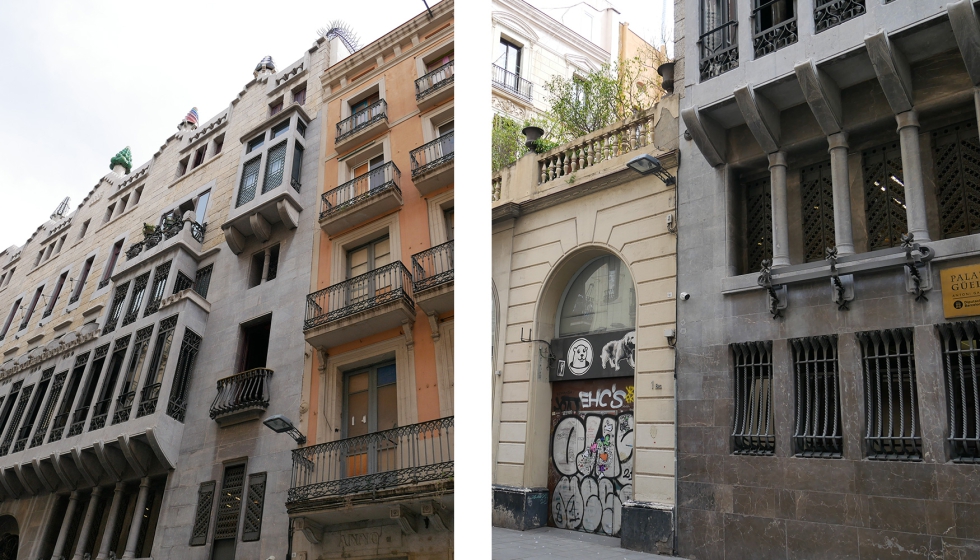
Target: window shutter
[230, 503]
[253, 507]
[202, 519]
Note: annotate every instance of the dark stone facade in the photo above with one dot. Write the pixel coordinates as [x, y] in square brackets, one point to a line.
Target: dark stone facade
[647, 529]
[520, 508]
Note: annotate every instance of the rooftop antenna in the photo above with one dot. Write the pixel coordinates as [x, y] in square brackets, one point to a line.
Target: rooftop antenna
[427, 8]
[337, 28]
[62, 208]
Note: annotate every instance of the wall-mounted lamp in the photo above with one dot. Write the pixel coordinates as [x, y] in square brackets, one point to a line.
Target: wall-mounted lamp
[281, 425]
[649, 165]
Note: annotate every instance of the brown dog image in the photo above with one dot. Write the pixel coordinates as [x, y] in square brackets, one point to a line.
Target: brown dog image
[617, 350]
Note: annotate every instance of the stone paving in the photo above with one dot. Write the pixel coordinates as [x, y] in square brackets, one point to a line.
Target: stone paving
[550, 543]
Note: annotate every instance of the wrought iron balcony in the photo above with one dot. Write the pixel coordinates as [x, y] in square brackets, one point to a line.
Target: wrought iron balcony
[718, 50]
[407, 455]
[60, 421]
[148, 400]
[770, 38]
[436, 81]
[432, 164]
[100, 414]
[124, 405]
[387, 284]
[376, 181]
[78, 421]
[171, 227]
[510, 82]
[362, 119]
[241, 397]
[433, 267]
[830, 13]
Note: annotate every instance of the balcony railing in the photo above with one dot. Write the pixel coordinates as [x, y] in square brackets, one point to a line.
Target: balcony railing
[148, 400]
[718, 50]
[433, 267]
[78, 421]
[510, 82]
[382, 285]
[766, 40]
[60, 421]
[406, 455]
[830, 13]
[361, 119]
[170, 229]
[100, 414]
[242, 392]
[380, 179]
[435, 80]
[124, 405]
[432, 155]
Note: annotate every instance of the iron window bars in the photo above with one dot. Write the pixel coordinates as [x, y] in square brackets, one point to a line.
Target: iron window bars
[433, 267]
[159, 286]
[956, 152]
[275, 167]
[758, 224]
[115, 309]
[25, 431]
[961, 352]
[404, 455]
[367, 116]
[127, 394]
[42, 427]
[158, 365]
[379, 180]
[753, 432]
[202, 516]
[433, 154]
[435, 80]
[817, 195]
[254, 504]
[100, 413]
[891, 402]
[884, 196]
[88, 393]
[511, 82]
[136, 300]
[230, 502]
[245, 390]
[817, 424]
[718, 43]
[250, 181]
[202, 280]
[383, 285]
[775, 26]
[830, 13]
[8, 438]
[177, 405]
[183, 282]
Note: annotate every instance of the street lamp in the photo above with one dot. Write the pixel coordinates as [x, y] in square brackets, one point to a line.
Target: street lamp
[649, 165]
[281, 425]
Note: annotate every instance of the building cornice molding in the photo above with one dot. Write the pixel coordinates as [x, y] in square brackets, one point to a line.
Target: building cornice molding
[551, 26]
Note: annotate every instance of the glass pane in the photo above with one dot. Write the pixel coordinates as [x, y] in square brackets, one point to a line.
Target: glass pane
[357, 409]
[357, 383]
[387, 407]
[382, 252]
[202, 207]
[601, 298]
[358, 260]
[386, 375]
[448, 127]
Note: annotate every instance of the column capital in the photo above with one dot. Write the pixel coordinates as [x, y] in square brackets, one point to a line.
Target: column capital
[777, 159]
[907, 119]
[120, 487]
[145, 482]
[838, 140]
[74, 495]
[97, 491]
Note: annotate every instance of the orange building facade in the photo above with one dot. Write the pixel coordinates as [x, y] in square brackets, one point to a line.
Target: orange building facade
[376, 475]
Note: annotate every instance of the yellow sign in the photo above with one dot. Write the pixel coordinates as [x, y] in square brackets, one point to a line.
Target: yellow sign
[961, 291]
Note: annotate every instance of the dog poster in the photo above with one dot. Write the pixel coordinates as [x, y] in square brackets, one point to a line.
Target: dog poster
[594, 356]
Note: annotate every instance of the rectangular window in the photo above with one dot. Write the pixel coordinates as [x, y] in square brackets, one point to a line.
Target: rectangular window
[61, 420]
[30, 309]
[40, 255]
[33, 410]
[201, 207]
[88, 393]
[718, 44]
[450, 219]
[296, 178]
[127, 394]
[818, 423]
[264, 267]
[61, 243]
[817, 196]
[299, 95]
[279, 130]
[108, 213]
[111, 264]
[884, 196]
[77, 293]
[137, 194]
[8, 406]
[202, 516]
[11, 431]
[758, 224]
[961, 354]
[158, 366]
[182, 166]
[219, 143]
[136, 300]
[115, 308]
[956, 151]
[10, 318]
[275, 108]
[255, 143]
[101, 411]
[54, 295]
[775, 25]
[891, 402]
[252, 526]
[159, 286]
[301, 128]
[177, 405]
[122, 204]
[830, 13]
[254, 346]
[250, 180]
[84, 229]
[370, 405]
[183, 282]
[202, 280]
[274, 167]
[42, 427]
[199, 155]
[754, 429]
[229, 503]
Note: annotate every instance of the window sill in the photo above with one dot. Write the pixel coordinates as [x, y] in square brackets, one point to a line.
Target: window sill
[195, 170]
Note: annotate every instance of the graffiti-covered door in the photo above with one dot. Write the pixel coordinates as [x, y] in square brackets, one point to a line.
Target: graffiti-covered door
[591, 470]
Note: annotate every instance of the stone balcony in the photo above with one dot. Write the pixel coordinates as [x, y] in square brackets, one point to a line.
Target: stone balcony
[241, 397]
[361, 199]
[432, 164]
[362, 125]
[433, 273]
[436, 86]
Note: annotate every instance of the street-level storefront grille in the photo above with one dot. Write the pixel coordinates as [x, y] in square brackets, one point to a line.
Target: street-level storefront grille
[432, 155]
[511, 82]
[365, 117]
[433, 267]
[891, 401]
[406, 455]
[381, 179]
[435, 80]
[818, 424]
[961, 352]
[754, 429]
[830, 13]
[387, 284]
[247, 389]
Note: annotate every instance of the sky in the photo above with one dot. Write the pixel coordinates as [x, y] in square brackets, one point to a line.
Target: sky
[82, 80]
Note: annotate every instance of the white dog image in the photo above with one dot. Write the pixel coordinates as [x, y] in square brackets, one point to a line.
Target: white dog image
[580, 357]
[617, 350]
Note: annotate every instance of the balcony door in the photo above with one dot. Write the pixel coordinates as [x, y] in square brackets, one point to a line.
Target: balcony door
[362, 260]
[446, 143]
[360, 106]
[509, 58]
[370, 406]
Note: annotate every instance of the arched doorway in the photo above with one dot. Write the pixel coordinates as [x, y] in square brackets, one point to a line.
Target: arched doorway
[9, 538]
[590, 471]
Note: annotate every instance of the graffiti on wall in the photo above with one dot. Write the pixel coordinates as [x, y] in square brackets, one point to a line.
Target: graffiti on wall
[591, 471]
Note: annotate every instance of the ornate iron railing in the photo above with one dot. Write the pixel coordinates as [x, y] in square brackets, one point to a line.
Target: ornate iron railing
[405, 455]
[432, 155]
[382, 285]
[718, 50]
[78, 421]
[433, 267]
[376, 181]
[124, 405]
[510, 82]
[435, 80]
[60, 421]
[170, 229]
[769, 39]
[830, 13]
[248, 389]
[148, 400]
[365, 117]
[100, 414]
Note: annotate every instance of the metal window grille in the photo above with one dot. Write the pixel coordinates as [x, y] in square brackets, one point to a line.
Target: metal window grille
[8, 438]
[32, 410]
[252, 527]
[830, 13]
[182, 283]
[159, 286]
[115, 309]
[136, 300]
[817, 190]
[202, 280]
[753, 433]
[297, 173]
[158, 364]
[818, 424]
[758, 224]
[718, 43]
[84, 402]
[9, 406]
[101, 411]
[230, 502]
[275, 167]
[61, 420]
[185, 364]
[890, 395]
[42, 427]
[250, 180]
[775, 26]
[884, 196]
[956, 152]
[961, 352]
[202, 518]
[127, 395]
[145, 526]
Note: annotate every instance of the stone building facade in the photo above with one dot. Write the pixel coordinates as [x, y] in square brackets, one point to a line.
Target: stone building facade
[584, 302]
[376, 479]
[827, 216]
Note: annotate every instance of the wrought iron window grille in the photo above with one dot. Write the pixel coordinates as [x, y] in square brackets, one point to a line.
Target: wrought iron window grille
[961, 352]
[718, 50]
[254, 504]
[248, 389]
[377, 181]
[182, 283]
[435, 80]
[136, 300]
[159, 287]
[177, 405]
[775, 26]
[831, 13]
[202, 280]
[250, 181]
[8, 438]
[433, 154]
[230, 502]
[387, 284]
[818, 424]
[884, 196]
[754, 426]
[891, 400]
[433, 267]
[817, 198]
[758, 223]
[956, 151]
[42, 428]
[202, 516]
[510, 82]
[367, 116]
[115, 309]
[25, 431]
[275, 167]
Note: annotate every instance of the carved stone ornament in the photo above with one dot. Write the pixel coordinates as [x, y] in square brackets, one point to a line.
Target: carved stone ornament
[509, 107]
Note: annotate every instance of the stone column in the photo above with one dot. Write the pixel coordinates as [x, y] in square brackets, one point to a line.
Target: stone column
[780, 218]
[134, 527]
[59, 546]
[86, 536]
[915, 198]
[110, 524]
[843, 237]
[265, 265]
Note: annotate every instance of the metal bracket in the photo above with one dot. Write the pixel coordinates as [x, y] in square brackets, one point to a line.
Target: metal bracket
[777, 295]
[915, 282]
[842, 286]
[550, 357]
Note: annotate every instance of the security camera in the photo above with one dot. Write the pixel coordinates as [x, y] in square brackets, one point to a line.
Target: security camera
[685, 296]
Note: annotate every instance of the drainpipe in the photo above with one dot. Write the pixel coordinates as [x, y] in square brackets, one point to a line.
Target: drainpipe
[677, 336]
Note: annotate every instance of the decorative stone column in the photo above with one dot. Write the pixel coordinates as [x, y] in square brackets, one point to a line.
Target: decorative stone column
[110, 524]
[265, 265]
[843, 236]
[780, 217]
[86, 536]
[134, 527]
[59, 546]
[915, 199]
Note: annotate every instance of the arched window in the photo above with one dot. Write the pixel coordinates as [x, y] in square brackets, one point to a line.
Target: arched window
[599, 298]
